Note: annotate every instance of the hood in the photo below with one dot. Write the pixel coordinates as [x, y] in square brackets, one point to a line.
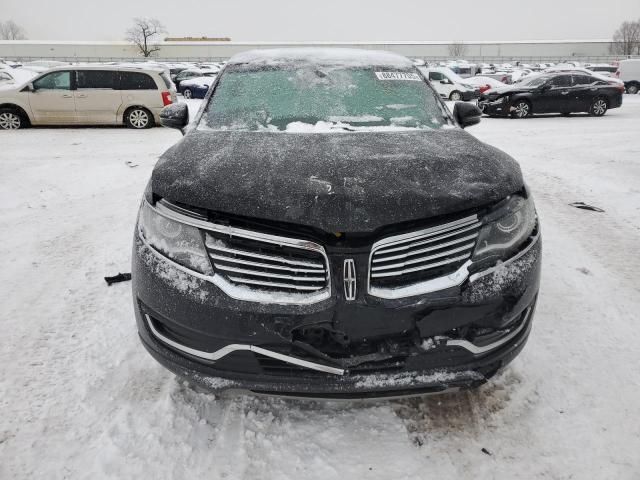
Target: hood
[337, 182]
[513, 88]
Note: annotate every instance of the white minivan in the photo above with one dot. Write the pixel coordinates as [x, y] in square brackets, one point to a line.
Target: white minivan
[88, 95]
[629, 73]
[449, 84]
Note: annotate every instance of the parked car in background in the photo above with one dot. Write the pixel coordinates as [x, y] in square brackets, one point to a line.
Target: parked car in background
[573, 69]
[197, 87]
[181, 85]
[629, 73]
[43, 65]
[191, 73]
[15, 75]
[553, 93]
[87, 95]
[337, 290]
[502, 77]
[450, 85]
[484, 83]
[603, 69]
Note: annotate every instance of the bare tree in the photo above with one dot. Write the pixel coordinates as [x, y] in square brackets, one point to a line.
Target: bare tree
[144, 35]
[457, 49]
[10, 30]
[626, 40]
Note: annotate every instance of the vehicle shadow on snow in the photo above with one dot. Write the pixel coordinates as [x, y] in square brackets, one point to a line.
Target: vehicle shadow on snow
[424, 417]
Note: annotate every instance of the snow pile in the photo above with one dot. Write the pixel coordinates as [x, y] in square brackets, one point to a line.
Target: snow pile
[398, 380]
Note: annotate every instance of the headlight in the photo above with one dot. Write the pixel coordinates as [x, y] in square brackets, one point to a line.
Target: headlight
[506, 229]
[180, 242]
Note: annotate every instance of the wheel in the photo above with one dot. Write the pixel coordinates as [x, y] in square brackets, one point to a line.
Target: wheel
[632, 89]
[187, 93]
[521, 109]
[10, 119]
[138, 118]
[455, 96]
[598, 107]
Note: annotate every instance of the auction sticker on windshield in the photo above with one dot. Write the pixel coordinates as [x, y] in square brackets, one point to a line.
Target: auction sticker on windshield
[414, 77]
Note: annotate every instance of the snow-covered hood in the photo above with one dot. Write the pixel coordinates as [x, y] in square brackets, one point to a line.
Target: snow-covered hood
[338, 182]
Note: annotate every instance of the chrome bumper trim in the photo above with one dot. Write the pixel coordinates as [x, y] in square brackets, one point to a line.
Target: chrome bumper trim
[235, 347]
[476, 350]
[433, 285]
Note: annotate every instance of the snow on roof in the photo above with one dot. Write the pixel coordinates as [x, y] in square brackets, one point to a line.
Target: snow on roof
[326, 56]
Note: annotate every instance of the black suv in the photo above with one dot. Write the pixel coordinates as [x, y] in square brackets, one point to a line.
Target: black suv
[327, 228]
[553, 93]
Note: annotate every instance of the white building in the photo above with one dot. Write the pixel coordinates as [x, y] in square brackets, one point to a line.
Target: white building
[199, 50]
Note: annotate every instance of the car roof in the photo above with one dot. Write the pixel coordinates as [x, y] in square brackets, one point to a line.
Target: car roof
[96, 66]
[348, 57]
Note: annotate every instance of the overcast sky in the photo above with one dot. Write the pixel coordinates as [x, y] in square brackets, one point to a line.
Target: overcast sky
[341, 20]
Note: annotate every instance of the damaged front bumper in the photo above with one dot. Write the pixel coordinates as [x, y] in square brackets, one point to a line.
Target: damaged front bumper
[500, 106]
[449, 339]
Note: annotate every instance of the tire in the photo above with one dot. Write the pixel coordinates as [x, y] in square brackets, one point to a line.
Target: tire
[598, 107]
[138, 118]
[632, 89]
[455, 96]
[11, 119]
[521, 109]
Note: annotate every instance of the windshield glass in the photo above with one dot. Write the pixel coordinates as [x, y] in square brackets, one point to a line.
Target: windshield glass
[534, 81]
[318, 98]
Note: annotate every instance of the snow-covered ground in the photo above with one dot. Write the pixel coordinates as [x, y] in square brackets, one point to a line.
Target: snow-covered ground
[80, 398]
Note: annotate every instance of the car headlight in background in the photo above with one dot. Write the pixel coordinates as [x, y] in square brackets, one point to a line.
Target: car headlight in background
[506, 229]
[177, 241]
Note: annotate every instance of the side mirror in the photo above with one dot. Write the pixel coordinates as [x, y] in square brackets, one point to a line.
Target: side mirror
[175, 115]
[29, 88]
[466, 114]
[545, 87]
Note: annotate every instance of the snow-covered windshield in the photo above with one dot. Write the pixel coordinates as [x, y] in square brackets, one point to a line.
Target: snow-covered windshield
[322, 98]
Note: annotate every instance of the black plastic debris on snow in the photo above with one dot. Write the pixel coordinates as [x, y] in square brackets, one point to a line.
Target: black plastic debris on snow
[485, 451]
[120, 277]
[585, 206]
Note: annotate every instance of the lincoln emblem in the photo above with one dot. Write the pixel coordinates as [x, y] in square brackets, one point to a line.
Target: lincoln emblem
[349, 279]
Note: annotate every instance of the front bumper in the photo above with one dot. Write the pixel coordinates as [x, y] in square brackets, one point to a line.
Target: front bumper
[497, 107]
[413, 345]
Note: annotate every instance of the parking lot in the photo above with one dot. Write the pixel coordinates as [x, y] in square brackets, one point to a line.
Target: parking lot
[81, 398]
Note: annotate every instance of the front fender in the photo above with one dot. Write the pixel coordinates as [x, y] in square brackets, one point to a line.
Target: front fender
[21, 103]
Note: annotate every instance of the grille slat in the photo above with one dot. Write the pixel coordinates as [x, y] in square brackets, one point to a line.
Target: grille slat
[286, 265]
[417, 257]
[263, 265]
[275, 285]
[445, 253]
[213, 246]
[428, 240]
[268, 274]
[428, 266]
[380, 258]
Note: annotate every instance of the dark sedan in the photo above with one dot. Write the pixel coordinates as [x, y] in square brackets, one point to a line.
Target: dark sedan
[563, 93]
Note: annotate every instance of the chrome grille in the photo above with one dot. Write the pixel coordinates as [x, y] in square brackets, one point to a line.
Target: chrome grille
[268, 262]
[414, 258]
